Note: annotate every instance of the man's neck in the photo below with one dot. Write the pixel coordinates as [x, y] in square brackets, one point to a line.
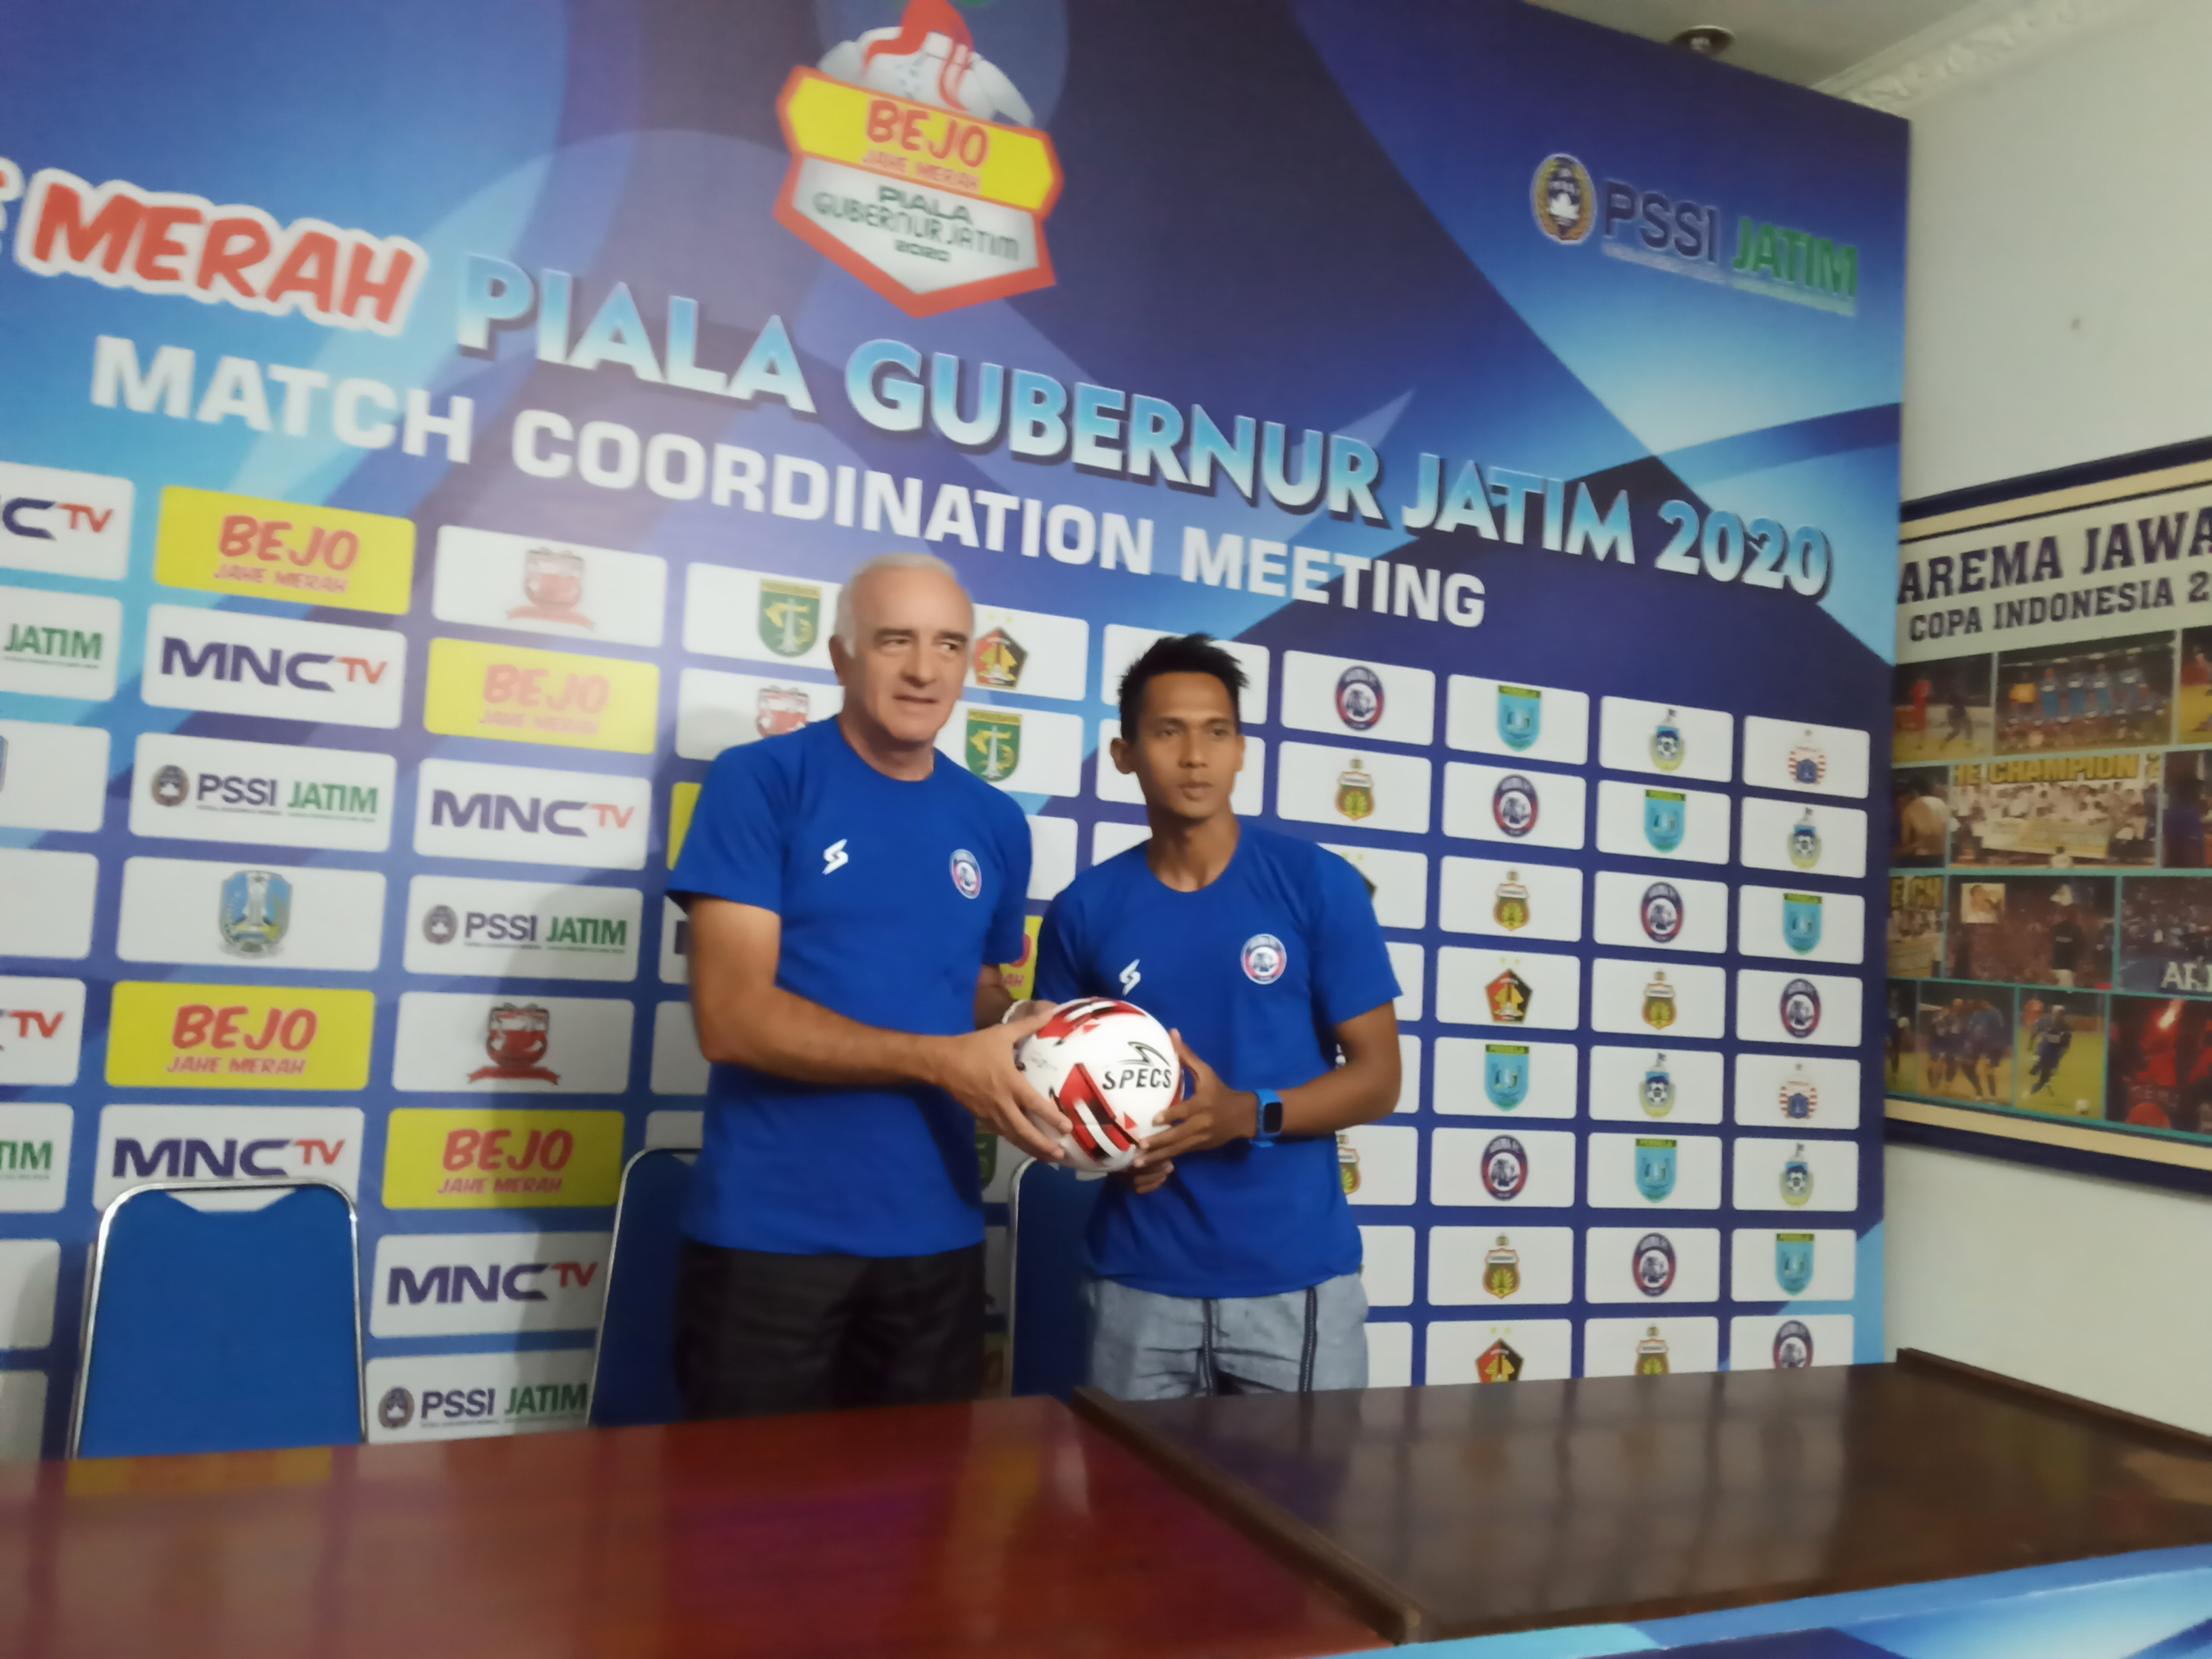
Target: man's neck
[906, 762]
[1189, 853]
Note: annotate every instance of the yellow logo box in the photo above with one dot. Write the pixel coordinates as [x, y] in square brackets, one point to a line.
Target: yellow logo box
[501, 1160]
[1021, 977]
[683, 802]
[521, 696]
[239, 1036]
[223, 544]
[933, 147]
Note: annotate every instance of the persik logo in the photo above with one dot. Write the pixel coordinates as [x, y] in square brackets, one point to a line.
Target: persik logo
[914, 166]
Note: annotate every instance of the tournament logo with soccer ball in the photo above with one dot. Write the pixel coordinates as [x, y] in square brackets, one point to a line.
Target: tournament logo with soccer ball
[1805, 842]
[1657, 1095]
[1359, 698]
[1797, 1181]
[1667, 748]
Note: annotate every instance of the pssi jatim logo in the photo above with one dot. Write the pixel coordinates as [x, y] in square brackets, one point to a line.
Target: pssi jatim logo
[914, 165]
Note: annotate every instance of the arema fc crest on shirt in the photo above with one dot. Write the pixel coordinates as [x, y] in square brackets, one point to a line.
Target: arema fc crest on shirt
[1793, 1262]
[1653, 1264]
[1805, 842]
[1520, 717]
[1359, 697]
[1504, 1169]
[1666, 746]
[1661, 913]
[1655, 1168]
[1800, 922]
[1797, 1181]
[1801, 1007]
[1800, 1099]
[1793, 1345]
[1666, 817]
[1506, 1074]
[1264, 959]
[967, 873]
[1513, 804]
[1656, 1095]
[255, 913]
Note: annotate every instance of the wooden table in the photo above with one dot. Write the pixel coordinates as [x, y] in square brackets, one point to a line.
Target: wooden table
[1006, 1527]
[1472, 1510]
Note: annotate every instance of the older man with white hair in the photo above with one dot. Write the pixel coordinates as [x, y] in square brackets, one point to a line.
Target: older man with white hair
[850, 891]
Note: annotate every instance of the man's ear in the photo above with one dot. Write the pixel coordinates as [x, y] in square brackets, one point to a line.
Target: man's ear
[1124, 758]
[841, 660]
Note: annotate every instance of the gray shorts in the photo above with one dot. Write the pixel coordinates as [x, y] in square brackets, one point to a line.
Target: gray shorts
[1148, 1346]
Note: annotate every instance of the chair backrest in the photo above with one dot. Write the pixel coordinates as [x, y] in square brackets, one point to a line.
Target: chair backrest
[634, 1366]
[230, 1322]
[1048, 1329]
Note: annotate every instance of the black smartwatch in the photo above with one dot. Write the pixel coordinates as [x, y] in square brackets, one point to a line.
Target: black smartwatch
[1268, 1121]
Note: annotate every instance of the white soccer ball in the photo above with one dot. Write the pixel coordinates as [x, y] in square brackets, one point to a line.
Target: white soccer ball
[1110, 1068]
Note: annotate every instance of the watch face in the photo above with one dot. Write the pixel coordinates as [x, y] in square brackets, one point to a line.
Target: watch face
[1271, 1117]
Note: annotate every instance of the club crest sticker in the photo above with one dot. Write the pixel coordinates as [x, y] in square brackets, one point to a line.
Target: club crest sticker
[789, 619]
[994, 749]
[1665, 818]
[1508, 996]
[1504, 1168]
[1661, 912]
[1653, 1264]
[1793, 1262]
[1513, 804]
[1265, 958]
[254, 914]
[517, 1035]
[1506, 1074]
[441, 925]
[1651, 1354]
[552, 588]
[1667, 749]
[1355, 792]
[1347, 1163]
[1500, 1362]
[1655, 1168]
[1520, 717]
[1501, 1269]
[1800, 922]
[1657, 1097]
[1659, 1003]
[170, 787]
[1800, 1099]
[1511, 911]
[1800, 1008]
[1359, 697]
[1793, 1345]
[999, 660]
[1809, 764]
[1796, 1180]
[967, 874]
[1805, 842]
[779, 710]
[1563, 199]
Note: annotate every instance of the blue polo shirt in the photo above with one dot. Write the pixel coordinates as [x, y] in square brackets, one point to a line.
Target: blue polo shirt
[893, 895]
[1257, 970]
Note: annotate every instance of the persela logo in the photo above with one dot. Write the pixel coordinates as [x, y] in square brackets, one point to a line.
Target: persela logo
[522, 929]
[458, 1397]
[229, 662]
[58, 645]
[521, 695]
[476, 1284]
[34, 1158]
[272, 793]
[284, 550]
[525, 815]
[52, 777]
[455, 1043]
[239, 1036]
[41, 1029]
[225, 914]
[486, 1159]
[211, 1143]
[66, 524]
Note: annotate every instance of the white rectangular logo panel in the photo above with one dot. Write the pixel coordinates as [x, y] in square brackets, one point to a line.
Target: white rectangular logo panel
[1409, 963]
[231, 662]
[52, 777]
[1021, 750]
[204, 1144]
[65, 524]
[1115, 785]
[1517, 808]
[1504, 1077]
[1788, 1263]
[680, 1130]
[1052, 856]
[1472, 1350]
[454, 1042]
[522, 929]
[1506, 1267]
[1813, 760]
[1668, 739]
[1524, 722]
[1510, 898]
[34, 1158]
[1638, 1347]
[1819, 1009]
[1662, 1001]
[1386, 1266]
[59, 645]
[483, 1284]
[1502, 1167]
[23, 1415]
[1655, 1085]
[1110, 840]
[1655, 1171]
[251, 916]
[1399, 880]
[467, 1396]
[536, 585]
[1787, 1342]
[1796, 1092]
[1660, 912]
[1651, 1264]
[41, 1030]
[1773, 1172]
[48, 912]
[1800, 839]
[1125, 645]
[1030, 652]
[528, 815]
[1658, 821]
[274, 794]
[1508, 989]
[1380, 1164]
[1345, 788]
[1775, 921]
[716, 711]
[30, 1272]
[678, 1066]
[758, 617]
[1359, 701]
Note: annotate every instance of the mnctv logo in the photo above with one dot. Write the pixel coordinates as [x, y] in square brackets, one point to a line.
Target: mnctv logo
[229, 662]
[222, 1144]
[41, 1028]
[475, 1283]
[67, 524]
[524, 814]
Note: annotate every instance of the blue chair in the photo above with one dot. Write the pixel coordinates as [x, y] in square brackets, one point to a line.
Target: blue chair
[222, 1328]
[634, 1364]
[1048, 1329]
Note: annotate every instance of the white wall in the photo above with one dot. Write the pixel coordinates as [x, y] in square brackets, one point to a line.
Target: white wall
[2059, 310]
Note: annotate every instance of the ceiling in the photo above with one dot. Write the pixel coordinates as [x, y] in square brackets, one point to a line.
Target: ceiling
[1805, 41]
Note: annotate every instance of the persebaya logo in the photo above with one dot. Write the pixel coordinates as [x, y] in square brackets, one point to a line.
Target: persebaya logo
[1355, 792]
[790, 616]
[1564, 200]
[994, 749]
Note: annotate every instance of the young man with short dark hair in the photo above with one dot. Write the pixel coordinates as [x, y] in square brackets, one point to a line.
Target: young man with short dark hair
[1227, 1261]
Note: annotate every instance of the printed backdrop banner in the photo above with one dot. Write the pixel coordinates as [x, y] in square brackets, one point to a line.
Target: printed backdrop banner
[421, 461]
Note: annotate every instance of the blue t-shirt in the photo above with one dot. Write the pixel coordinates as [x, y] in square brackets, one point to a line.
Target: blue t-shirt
[1257, 971]
[893, 895]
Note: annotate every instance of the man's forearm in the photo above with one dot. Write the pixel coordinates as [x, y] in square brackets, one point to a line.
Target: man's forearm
[1351, 1095]
[786, 1035]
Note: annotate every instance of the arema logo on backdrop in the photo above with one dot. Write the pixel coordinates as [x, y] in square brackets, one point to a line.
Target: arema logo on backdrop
[914, 165]
[1689, 237]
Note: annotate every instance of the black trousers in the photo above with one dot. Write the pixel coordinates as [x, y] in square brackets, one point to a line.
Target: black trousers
[759, 1334]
